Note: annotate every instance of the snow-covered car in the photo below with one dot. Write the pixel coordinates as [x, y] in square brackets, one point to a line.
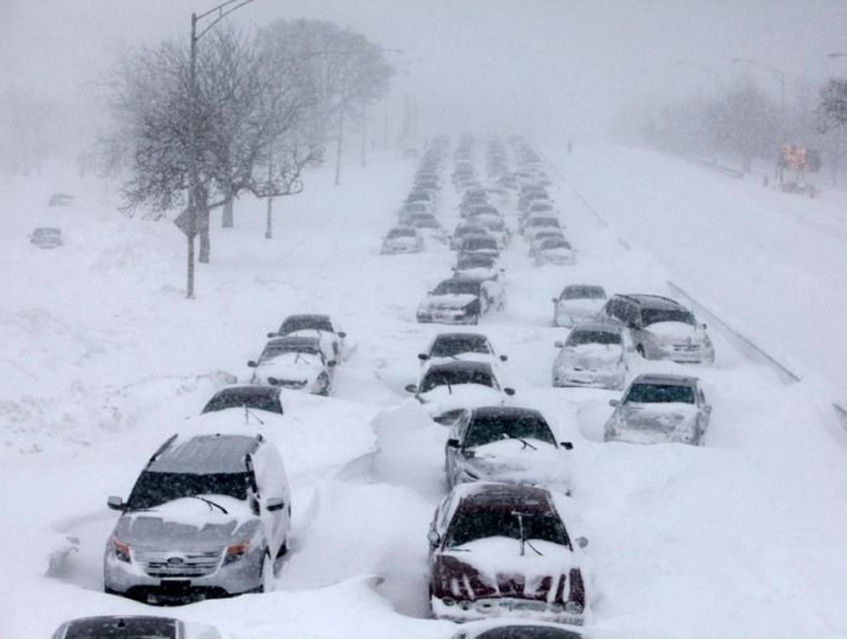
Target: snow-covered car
[402, 239]
[554, 250]
[593, 355]
[534, 224]
[430, 228]
[329, 332]
[461, 301]
[480, 245]
[294, 362]
[499, 550]
[493, 223]
[61, 199]
[207, 517]
[660, 328]
[477, 266]
[461, 346]
[578, 303]
[466, 229]
[541, 235]
[411, 208]
[448, 388]
[134, 627]
[660, 408]
[505, 444]
[46, 237]
[249, 396]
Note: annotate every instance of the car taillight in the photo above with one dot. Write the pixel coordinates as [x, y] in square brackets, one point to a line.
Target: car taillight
[235, 552]
[121, 550]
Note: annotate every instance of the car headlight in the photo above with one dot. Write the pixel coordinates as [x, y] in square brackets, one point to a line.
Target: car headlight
[235, 552]
[573, 608]
[122, 551]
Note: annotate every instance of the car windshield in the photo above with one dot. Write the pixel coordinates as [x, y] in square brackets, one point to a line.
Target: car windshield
[514, 631]
[457, 287]
[476, 261]
[583, 292]
[449, 376]
[656, 315]
[394, 233]
[260, 400]
[454, 345]
[659, 394]
[301, 322]
[472, 524]
[154, 489]
[543, 221]
[554, 242]
[477, 243]
[580, 338]
[485, 429]
[426, 223]
[276, 349]
[120, 628]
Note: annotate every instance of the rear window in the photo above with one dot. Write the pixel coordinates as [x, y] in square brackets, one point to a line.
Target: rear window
[147, 628]
[660, 394]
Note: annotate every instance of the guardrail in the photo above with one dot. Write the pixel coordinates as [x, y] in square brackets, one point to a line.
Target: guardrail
[714, 166]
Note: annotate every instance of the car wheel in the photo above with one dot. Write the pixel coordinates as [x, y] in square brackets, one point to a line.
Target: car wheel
[283, 549]
[324, 391]
[474, 319]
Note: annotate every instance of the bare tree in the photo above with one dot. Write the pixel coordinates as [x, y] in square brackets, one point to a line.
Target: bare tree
[832, 107]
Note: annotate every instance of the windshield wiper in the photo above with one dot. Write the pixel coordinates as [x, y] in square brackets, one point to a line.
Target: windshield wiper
[211, 504]
[249, 413]
[524, 541]
[520, 439]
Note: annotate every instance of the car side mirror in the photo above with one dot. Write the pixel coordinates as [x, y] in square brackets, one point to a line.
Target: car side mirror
[115, 503]
[559, 344]
[433, 537]
[252, 364]
[341, 334]
[423, 357]
[566, 445]
[452, 443]
[582, 542]
[274, 504]
[271, 335]
[614, 402]
[504, 358]
[332, 363]
[509, 391]
[411, 388]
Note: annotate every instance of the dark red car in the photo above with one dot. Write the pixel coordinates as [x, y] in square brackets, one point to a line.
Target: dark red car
[502, 549]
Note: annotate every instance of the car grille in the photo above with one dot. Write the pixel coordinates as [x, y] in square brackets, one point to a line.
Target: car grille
[182, 565]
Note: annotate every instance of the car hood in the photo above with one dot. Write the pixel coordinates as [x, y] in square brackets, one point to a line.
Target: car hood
[511, 461]
[448, 301]
[441, 399]
[581, 307]
[290, 366]
[676, 332]
[592, 356]
[189, 524]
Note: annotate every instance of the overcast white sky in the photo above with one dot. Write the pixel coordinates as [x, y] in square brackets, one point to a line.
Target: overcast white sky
[523, 65]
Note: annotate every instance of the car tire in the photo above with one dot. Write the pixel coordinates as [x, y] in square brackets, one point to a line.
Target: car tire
[283, 549]
[325, 386]
[266, 577]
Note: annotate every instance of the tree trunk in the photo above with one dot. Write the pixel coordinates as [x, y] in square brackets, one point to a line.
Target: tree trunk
[227, 219]
[205, 246]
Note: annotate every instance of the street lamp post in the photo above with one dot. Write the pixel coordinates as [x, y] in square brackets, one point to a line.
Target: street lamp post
[222, 10]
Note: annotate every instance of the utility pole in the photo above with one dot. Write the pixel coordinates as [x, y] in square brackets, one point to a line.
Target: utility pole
[194, 185]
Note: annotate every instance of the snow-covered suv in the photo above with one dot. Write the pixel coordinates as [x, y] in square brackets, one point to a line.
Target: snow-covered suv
[660, 328]
[207, 517]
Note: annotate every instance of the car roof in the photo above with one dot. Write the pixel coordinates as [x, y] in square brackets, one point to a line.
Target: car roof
[486, 495]
[201, 454]
[299, 340]
[249, 389]
[112, 626]
[666, 379]
[653, 301]
[508, 412]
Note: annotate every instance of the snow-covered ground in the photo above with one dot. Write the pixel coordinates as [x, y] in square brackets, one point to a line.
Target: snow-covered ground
[103, 358]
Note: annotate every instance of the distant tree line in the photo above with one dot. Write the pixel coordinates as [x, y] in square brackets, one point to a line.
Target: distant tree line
[266, 106]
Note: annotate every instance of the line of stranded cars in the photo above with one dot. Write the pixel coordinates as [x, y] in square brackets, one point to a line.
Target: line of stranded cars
[210, 513]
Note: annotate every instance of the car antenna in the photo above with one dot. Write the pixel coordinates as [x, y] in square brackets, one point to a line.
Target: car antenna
[249, 413]
[524, 541]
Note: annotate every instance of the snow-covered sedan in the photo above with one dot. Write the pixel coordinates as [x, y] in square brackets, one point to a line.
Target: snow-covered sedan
[578, 303]
[476, 266]
[660, 408]
[247, 396]
[480, 245]
[328, 331]
[461, 346]
[133, 627]
[466, 229]
[593, 355]
[402, 239]
[294, 362]
[506, 444]
[461, 301]
[499, 550]
[207, 517]
[448, 388]
[553, 250]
